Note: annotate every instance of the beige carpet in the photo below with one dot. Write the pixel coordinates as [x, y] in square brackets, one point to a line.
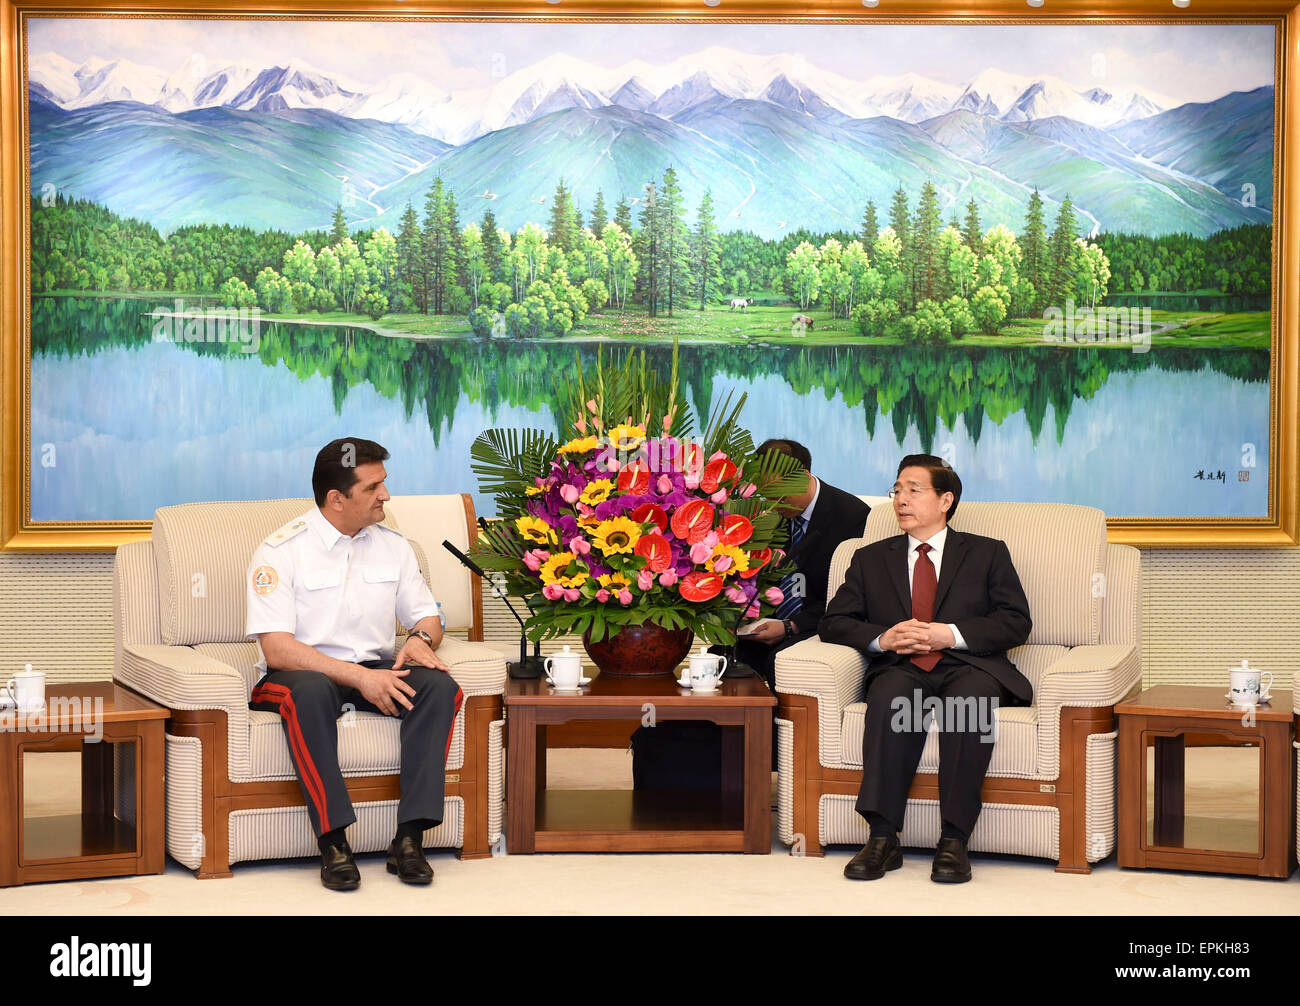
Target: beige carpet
[636, 884]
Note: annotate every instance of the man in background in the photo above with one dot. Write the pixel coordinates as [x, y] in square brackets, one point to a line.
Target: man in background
[818, 519]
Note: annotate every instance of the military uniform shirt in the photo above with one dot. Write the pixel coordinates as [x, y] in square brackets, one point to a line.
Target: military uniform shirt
[335, 593]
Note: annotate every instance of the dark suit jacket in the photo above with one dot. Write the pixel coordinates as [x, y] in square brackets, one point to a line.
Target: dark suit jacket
[978, 591]
[837, 517]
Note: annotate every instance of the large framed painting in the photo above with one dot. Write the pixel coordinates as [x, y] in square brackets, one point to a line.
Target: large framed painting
[1057, 248]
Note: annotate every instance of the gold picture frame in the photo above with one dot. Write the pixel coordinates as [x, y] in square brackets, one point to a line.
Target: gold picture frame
[1281, 527]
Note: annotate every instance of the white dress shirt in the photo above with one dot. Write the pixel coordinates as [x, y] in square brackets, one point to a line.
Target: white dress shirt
[335, 593]
[936, 544]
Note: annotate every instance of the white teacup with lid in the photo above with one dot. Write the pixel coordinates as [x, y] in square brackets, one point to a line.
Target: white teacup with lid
[564, 669]
[705, 671]
[1245, 687]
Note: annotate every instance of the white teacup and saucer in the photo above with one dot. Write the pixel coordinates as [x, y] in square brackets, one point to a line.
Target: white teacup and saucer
[704, 675]
[564, 671]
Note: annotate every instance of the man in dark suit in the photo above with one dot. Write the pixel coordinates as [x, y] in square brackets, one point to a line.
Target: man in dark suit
[819, 518]
[936, 611]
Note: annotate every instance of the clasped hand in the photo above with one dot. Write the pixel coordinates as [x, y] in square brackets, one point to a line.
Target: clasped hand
[915, 636]
[386, 689]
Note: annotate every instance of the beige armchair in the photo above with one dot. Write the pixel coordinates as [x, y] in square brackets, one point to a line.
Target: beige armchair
[232, 796]
[1050, 789]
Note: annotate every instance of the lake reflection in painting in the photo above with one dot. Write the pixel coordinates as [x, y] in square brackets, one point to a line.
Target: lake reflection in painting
[136, 424]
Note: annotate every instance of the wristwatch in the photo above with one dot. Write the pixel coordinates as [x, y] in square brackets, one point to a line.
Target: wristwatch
[790, 629]
[423, 635]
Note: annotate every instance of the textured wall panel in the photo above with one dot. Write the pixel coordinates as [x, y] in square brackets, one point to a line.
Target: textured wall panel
[1206, 610]
[1202, 611]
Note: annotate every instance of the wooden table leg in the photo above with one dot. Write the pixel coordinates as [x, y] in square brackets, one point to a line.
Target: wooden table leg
[1170, 791]
[98, 793]
[733, 761]
[521, 802]
[758, 780]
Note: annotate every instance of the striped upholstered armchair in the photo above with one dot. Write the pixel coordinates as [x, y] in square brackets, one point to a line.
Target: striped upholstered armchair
[232, 796]
[1050, 789]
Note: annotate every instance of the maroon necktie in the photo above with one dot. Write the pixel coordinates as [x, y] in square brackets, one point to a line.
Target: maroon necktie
[924, 587]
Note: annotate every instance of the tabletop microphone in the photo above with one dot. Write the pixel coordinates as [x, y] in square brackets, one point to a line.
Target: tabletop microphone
[527, 666]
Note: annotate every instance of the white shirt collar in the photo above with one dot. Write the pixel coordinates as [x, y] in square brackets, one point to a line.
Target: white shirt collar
[935, 541]
[328, 533]
[808, 510]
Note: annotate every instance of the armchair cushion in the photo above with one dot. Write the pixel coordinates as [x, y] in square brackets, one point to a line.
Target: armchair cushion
[1013, 754]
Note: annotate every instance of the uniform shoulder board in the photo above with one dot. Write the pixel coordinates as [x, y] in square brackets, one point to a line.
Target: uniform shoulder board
[290, 530]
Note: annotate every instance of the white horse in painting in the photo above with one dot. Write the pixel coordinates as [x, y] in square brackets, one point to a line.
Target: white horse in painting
[740, 303]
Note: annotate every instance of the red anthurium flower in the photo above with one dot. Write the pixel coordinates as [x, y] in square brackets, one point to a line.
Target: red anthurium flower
[656, 551]
[651, 511]
[717, 473]
[634, 480]
[735, 529]
[701, 586]
[693, 520]
[757, 560]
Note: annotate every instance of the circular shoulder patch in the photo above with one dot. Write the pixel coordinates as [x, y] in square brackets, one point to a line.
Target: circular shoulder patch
[265, 579]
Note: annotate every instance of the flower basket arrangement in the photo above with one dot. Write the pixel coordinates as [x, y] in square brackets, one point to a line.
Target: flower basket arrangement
[632, 521]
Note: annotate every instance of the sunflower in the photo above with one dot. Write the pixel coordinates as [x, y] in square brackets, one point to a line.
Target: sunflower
[627, 438]
[617, 535]
[580, 446]
[739, 558]
[555, 570]
[597, 491]
[536, 529]
[614, 582]
[589, 523]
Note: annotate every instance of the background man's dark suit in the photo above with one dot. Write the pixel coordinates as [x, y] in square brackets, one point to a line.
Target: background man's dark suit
[979, 592]
[837, 517]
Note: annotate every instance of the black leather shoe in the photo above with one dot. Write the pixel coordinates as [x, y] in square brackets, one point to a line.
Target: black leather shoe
[338, 870]
[876, 857]
[406, 859]
[951, 864]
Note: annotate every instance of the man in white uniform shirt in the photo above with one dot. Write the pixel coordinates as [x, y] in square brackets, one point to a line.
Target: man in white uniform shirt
[323, 592]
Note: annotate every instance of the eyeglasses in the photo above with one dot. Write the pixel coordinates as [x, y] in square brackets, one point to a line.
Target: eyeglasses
[908, 491]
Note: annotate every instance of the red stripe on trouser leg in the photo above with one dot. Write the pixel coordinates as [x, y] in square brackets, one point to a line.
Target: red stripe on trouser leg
[298, 748]
[460, 701]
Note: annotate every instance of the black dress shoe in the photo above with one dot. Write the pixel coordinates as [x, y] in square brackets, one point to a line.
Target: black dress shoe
[951, 864]
[877, 856]
[338, 870]
[406, 859]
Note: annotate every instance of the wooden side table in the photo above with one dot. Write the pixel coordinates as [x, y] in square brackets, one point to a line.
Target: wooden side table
[1167, 720]
[738, 819]
[121, 825]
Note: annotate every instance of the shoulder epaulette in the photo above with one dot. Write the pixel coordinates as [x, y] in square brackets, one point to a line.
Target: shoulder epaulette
[290, 530]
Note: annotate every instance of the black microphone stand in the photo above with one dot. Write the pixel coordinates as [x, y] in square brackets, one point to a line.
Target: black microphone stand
[527, 666]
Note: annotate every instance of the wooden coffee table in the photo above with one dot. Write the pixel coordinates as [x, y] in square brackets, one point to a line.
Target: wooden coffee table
[737, 819]
[120, 828]
[1155, 827]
